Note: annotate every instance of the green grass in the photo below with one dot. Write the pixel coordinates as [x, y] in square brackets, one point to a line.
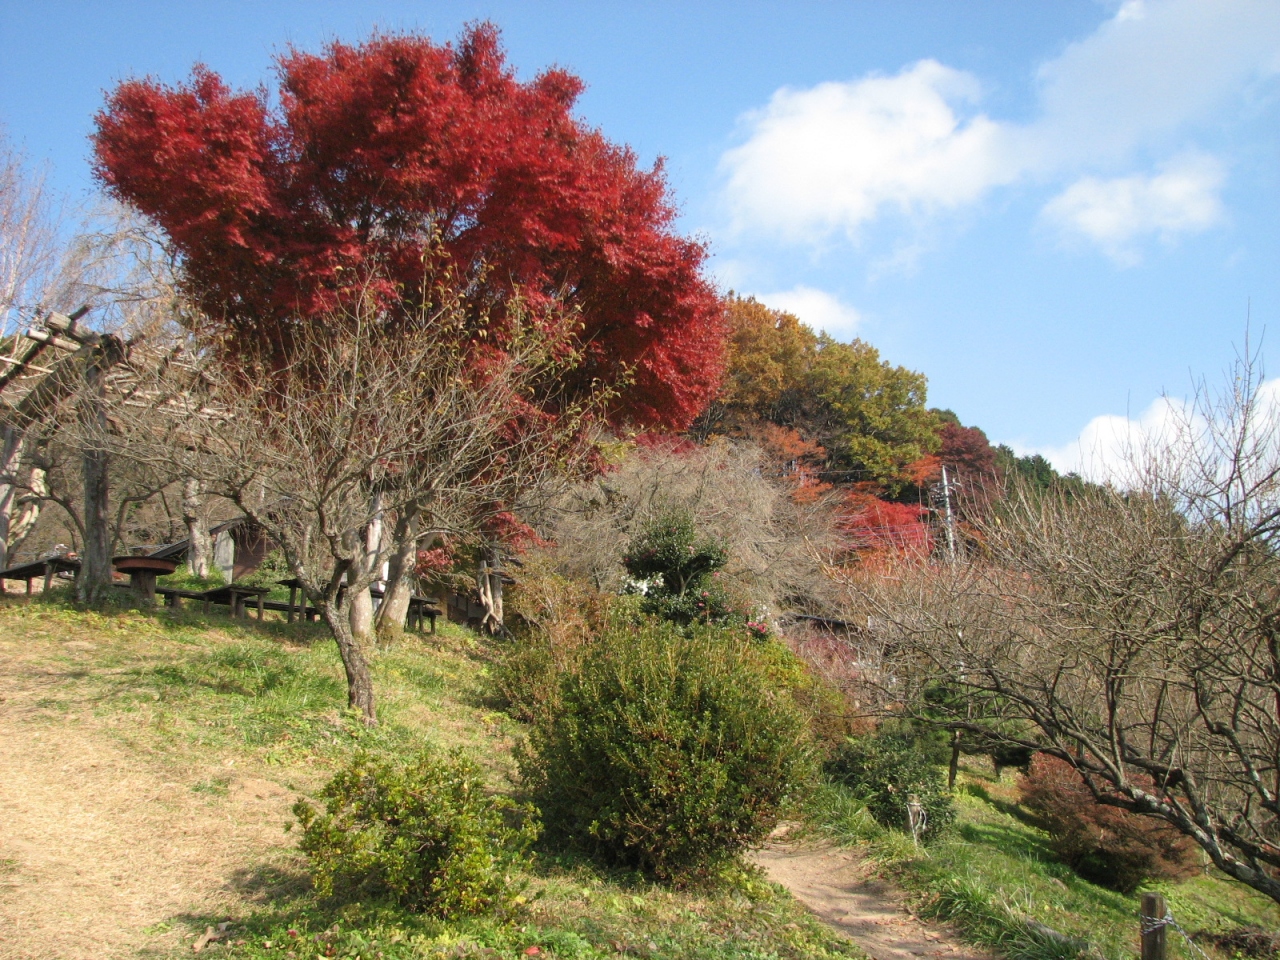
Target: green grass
[183, 579]
[993, 872]
[193, 692]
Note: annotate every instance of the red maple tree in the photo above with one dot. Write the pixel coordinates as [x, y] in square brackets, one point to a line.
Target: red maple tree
[873, 526]
[388, 154]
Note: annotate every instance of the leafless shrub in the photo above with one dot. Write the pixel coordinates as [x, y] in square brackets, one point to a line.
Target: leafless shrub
[776, 546]
[360, 424]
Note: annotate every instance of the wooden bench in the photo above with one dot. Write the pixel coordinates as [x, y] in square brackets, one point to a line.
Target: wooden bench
[419, 607]
[237, 597]
[234, 596]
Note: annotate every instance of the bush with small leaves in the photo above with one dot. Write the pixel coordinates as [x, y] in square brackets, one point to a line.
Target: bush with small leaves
[420, 831]
[671, 751]
[884, 771]
[1102, 843]
[679, 568]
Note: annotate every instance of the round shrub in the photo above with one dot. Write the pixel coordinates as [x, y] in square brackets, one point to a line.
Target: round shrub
[1103, 844]
[670, 752]
[884, 771]
[421, 831]
[680, 570]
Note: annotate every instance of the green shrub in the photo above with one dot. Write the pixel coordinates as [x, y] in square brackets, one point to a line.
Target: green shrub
[679, 569]
[670, 751]
[884, 771]
[1103, 844]
[421, 831]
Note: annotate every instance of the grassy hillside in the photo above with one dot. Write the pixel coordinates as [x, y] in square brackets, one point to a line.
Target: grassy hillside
[995, 878]
[212, 710]
[207, 705]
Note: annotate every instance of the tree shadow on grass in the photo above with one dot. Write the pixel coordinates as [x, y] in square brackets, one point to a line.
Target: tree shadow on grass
[1004, 806]
[1009, 840]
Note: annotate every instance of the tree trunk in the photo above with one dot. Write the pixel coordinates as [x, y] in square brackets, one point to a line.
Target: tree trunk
[954, 767]
[354, 662]
[95, 572]
[200, 551]
[361, 601]
[395, 604]
[8, 462]
[489, 586]
[495, 587]
[26, 507]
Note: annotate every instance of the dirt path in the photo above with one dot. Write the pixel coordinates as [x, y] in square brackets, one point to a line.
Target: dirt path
[838, 886]
[103, 846]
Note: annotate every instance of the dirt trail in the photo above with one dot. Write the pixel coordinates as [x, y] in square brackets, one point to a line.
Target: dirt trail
[101, 844]
[839, 887]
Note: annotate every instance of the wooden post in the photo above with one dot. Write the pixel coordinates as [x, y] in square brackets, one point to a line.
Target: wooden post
[1154, 933]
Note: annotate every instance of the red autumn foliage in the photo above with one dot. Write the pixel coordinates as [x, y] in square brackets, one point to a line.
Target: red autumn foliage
[965, 451]
[433, 561]
[506, 528]
[799, 460]
[1104, 844]
[875, 526]
[968, 452]
[399, 151]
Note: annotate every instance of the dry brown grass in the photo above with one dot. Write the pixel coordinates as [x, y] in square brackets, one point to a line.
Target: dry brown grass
[105, 838]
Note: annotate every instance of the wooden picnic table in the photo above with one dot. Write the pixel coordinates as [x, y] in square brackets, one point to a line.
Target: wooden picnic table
[46, 568]
[234, 595]
[142, 573]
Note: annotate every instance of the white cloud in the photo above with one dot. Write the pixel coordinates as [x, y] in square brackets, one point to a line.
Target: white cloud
[817, 308]
[1148, 71]
[1113, 448]
[834, 157]
[1105, 447]
[1114, 213]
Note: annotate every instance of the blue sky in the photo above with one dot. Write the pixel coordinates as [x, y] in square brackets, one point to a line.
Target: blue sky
[1057, 212]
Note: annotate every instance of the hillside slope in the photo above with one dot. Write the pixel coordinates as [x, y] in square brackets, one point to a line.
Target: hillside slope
[148, 762]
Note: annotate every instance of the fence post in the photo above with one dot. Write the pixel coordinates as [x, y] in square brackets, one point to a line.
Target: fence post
[1154, 932]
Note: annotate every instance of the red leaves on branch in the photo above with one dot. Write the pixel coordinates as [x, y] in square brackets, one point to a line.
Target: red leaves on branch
[388, 154]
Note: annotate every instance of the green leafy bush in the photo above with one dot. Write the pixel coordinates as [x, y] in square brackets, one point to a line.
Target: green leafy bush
[884, 771]
[1103, 844]
[421, 831]
[679, 570]
[670, 752]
